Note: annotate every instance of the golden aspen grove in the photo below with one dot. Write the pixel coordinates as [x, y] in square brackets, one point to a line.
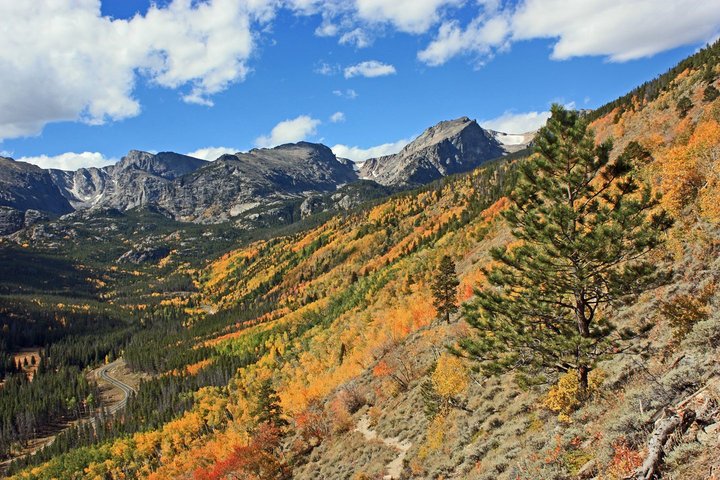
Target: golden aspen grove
[314, 351]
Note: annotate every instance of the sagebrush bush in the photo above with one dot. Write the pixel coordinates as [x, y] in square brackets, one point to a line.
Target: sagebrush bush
[705, 334]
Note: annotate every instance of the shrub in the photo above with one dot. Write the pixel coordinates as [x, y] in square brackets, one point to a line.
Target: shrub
[705, 334]
[625, 460]
[565, 397]
[450, 376]
[352, 398]
[710, 94]
[683, 311]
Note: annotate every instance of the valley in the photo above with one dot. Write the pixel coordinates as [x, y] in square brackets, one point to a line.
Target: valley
[274, 314]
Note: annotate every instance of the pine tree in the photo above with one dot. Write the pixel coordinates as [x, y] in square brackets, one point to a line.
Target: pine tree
[710, 93]
[683, 106]
[444, 289]
[268, 409]
[584, 226]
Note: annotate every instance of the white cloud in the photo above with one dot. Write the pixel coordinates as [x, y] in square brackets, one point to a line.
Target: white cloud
[510, 122]
[70, 160]
[62, 60]
[350, 94]
[327, 29]
[212, 153]
[357, 154]
[337, 117]
[370, 68]
[289, 131]
[327, 69]
[412, 16]
[620, 31]
[479, 38]
[357, 37]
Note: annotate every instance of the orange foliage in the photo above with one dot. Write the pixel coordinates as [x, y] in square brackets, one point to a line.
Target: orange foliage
[689, 172]
[625, 460]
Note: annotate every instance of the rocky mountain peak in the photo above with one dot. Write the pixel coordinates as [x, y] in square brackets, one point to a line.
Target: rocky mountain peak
[451, 146]
[167, 165]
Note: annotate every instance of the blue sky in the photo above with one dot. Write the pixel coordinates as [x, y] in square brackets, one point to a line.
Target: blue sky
[86, 81]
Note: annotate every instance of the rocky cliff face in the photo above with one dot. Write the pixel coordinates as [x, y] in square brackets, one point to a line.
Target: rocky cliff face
[25, 190]
[24, 187]
[139, 178]
[449, 147]
[234, 184]
[182, 187]
[268, 180]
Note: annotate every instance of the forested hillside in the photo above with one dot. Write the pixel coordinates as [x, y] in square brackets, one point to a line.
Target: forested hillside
[320, 352]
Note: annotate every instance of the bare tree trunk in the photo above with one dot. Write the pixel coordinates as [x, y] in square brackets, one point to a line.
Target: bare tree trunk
[664, 428]
[583, 372]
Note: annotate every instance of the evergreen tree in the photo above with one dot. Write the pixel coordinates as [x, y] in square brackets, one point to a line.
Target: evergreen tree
[444, 289]
[683, 106]
[268, 409]
[584, 226]
[710, 93]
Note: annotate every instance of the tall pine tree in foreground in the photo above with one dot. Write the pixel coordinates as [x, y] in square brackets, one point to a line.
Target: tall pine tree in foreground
[444, 289]
[584, 226]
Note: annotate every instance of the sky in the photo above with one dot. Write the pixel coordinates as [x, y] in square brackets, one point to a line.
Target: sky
[85, 81]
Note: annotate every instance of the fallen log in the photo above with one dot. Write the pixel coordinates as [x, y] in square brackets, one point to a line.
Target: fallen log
[665, 427]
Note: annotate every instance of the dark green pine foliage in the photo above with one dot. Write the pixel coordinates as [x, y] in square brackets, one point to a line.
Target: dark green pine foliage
[585, 226]
[444, 289]
[684, 106]
[268, 409]
[710, 93]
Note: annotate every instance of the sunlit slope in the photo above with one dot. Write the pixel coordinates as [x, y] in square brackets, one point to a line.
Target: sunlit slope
[336, 332]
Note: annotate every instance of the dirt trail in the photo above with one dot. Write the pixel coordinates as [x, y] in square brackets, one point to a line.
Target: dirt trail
[394, 468]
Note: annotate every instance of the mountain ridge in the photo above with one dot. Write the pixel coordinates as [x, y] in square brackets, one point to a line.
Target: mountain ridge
[191, 189]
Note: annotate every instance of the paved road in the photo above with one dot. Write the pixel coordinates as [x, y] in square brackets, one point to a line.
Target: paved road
[102, 373]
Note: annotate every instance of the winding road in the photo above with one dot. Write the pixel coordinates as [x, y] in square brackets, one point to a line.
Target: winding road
[102, 373]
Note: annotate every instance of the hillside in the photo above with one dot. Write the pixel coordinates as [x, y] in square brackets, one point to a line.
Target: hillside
[317, 353]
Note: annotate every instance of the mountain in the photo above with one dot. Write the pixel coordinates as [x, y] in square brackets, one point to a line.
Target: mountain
[267, 181]
[27, 188]
[139, 178]
[182, 187]
[234, 184]
[314, 350]
[450, 147]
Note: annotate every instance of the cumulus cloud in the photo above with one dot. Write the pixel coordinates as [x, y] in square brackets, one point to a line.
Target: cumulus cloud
[510, 122]
[412, 16]
[289, 131]
[357, 37]
[62, 60]
[370, 68]
[620, 31]
[70, 160]
[480, 37]
[337, 117]
[212, 153]
[358, 154]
